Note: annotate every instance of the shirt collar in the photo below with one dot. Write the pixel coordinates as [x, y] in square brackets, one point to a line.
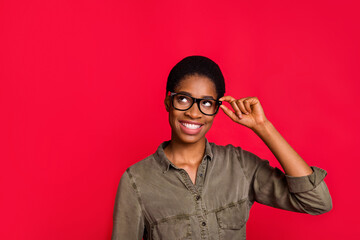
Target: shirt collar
[166, 163]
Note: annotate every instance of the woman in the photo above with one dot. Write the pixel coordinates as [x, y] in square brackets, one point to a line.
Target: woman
[194, 189]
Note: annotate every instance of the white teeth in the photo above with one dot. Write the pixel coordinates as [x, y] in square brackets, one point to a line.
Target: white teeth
[191, 126]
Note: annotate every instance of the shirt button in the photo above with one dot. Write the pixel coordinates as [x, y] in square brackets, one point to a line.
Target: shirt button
[197, 197]
[203, 223]
[200, 174]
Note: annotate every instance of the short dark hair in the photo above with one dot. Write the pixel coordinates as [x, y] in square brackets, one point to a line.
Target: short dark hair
[200, 65]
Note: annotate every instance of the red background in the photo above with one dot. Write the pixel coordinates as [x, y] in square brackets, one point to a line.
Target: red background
[82, 89]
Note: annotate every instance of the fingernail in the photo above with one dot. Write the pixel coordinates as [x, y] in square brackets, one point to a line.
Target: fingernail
[247, 113]
[239, 115]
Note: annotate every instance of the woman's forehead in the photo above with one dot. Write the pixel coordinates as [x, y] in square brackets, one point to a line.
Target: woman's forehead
[197, 86]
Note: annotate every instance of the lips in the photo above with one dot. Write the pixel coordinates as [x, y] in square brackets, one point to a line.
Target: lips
[191, 127]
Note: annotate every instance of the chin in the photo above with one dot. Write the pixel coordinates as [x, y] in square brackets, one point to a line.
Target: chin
[187, 138]
[192, 139]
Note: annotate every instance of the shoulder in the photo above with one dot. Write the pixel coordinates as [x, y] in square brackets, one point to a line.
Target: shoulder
[236, 158]
[225, 149]
[147, 171]
[143, 167]
[226, 154]
[230, 152]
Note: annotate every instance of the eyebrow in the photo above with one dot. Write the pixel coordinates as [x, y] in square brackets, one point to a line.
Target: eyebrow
[189, 94]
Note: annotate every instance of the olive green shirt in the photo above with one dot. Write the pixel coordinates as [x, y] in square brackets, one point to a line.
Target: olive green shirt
[157, 200]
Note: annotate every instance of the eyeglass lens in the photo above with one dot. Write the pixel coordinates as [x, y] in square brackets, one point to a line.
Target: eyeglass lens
[184, 102]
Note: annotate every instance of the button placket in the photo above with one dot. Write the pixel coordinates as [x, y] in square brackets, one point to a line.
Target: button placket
[185, 178]
[196, 190]
[199, 204]
[200, 180]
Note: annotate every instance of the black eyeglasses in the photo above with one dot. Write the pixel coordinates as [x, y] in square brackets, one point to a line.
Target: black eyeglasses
[184, 102]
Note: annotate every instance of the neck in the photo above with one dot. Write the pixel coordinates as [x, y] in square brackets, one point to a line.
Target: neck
[181, 153]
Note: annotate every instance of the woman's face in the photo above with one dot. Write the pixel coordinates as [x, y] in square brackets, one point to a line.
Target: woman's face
[197, 86]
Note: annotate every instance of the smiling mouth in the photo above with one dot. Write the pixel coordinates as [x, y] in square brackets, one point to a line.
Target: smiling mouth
[190, 125]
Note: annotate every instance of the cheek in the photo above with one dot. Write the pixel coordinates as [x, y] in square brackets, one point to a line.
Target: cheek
[173, 117]
[210, 120]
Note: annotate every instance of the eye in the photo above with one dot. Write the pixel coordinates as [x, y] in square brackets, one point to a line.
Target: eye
[183, 99]
[207, 103]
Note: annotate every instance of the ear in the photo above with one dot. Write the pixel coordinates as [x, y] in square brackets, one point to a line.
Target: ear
[167, 103]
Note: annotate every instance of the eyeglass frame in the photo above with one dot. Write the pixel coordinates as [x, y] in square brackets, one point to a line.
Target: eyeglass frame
[195, 100]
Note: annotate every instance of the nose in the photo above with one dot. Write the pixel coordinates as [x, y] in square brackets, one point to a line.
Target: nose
[194, 111]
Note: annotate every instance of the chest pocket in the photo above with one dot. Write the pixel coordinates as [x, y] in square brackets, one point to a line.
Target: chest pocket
[174, 229]
[233, 216]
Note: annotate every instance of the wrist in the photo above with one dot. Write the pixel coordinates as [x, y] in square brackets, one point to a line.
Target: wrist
[262, 127]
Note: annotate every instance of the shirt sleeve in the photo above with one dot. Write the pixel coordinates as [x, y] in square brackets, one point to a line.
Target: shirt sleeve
[128, 218]
[272, 187]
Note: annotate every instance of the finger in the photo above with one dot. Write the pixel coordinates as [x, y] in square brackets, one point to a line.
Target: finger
[247, 105]
[229, 113]
[226, 98]
[236, 108]
[241, 105]
[233, 103]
